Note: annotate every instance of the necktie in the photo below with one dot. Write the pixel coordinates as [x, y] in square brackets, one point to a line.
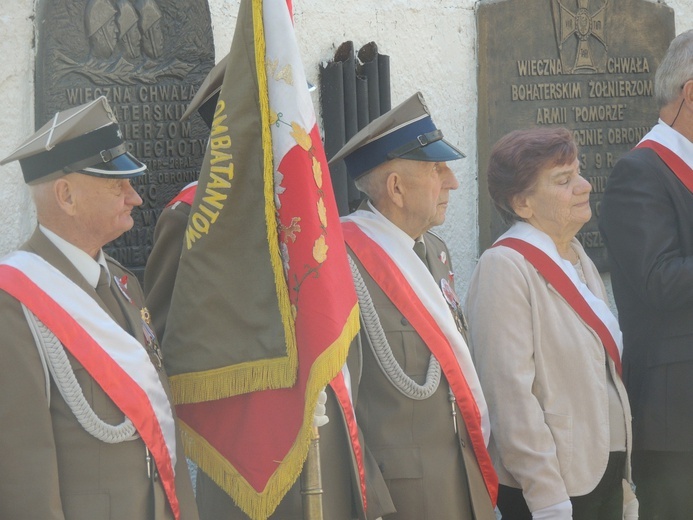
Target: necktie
[104, 291]
[420, 250]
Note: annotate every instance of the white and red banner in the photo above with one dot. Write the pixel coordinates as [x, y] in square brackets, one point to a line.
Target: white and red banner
[264, 309]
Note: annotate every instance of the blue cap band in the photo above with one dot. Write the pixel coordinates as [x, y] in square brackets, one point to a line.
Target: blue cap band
[376, 152]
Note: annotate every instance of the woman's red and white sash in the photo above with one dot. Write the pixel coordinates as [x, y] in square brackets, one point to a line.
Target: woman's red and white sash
[117, 361]
[674, 149]
[392, 263]
[540, 251]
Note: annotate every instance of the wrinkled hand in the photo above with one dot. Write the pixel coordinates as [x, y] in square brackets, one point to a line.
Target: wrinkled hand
[319, 416]
[560, 511]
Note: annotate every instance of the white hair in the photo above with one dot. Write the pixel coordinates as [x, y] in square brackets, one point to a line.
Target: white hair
[675, 70]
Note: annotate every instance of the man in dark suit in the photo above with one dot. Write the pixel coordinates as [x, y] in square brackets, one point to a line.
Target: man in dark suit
[89, 432]
[417, 397]
[647, 223]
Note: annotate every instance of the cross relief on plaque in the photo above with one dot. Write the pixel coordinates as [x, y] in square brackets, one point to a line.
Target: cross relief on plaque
[576, 32]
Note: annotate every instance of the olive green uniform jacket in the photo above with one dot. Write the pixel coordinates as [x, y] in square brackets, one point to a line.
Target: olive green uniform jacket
[52, 468]
[430, 471]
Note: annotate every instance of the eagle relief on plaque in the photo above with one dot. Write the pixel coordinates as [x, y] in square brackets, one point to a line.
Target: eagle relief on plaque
[147, 57]
[587, 65]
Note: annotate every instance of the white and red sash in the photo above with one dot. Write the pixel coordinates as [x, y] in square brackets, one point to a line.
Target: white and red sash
[385, 252]
[117, 361]
[540, 251]
[186, 195]
[343, 393]
[674, 149]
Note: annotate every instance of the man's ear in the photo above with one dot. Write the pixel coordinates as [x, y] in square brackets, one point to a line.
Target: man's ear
[395, 188]
[65, 196]
[688, 93]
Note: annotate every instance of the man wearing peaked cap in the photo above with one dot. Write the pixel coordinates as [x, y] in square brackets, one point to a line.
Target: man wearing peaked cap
[418, 400]
[88, 427]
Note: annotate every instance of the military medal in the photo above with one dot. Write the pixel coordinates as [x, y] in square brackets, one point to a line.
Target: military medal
[454, 304]
[122, 284]
[150, 338]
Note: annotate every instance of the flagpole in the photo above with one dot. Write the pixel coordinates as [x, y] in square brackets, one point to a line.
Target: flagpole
[311, 480]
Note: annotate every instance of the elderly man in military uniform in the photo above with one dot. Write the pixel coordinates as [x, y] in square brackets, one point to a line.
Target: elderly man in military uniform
[89, 432]
[416, 394]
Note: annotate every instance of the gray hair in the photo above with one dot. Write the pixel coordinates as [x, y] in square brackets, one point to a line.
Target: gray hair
[675, 70]
[372, 182]
[364, 183]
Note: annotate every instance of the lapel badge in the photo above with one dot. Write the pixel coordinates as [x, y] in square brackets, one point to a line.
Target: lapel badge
[443, 257]
[122, 284]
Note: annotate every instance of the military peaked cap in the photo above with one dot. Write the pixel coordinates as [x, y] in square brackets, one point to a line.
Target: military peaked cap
[205, 99]
[405, 132]
[84, 139]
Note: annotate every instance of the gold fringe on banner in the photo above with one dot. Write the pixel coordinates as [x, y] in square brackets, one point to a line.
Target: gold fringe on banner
[268, 173]
[260, 505]
[218, 383]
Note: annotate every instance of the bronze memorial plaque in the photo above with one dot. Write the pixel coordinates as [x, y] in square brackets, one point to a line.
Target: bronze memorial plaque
[147, 57]
[588, 65]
